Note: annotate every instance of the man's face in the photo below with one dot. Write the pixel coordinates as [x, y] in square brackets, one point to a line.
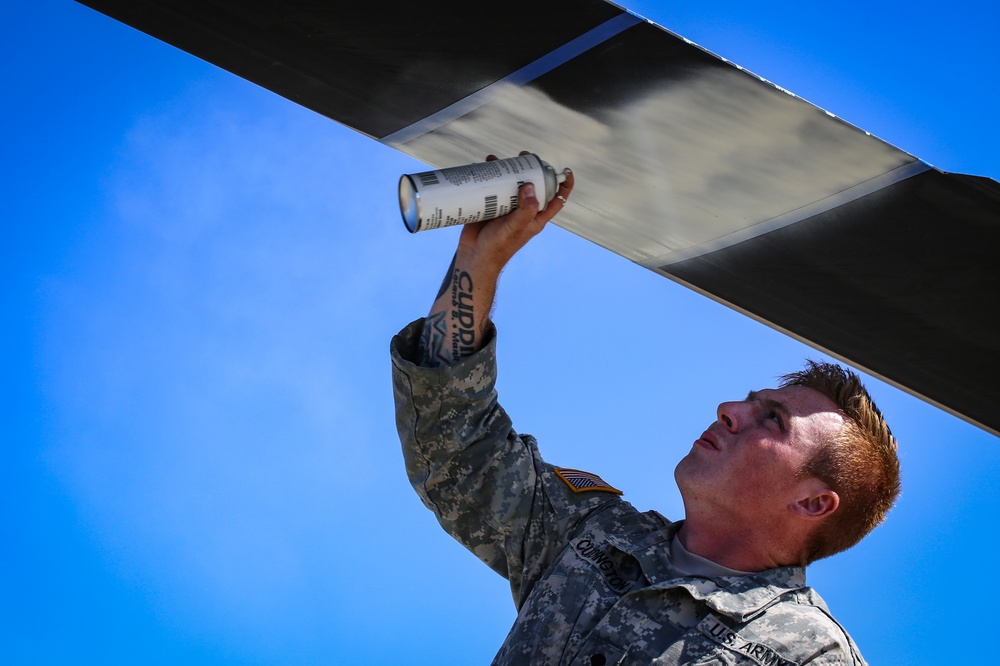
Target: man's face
[746, 465]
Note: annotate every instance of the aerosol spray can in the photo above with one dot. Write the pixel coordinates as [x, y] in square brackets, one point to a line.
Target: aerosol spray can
[474, 192]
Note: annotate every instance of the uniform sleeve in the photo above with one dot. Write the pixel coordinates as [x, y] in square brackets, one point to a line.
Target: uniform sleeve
[486, 484]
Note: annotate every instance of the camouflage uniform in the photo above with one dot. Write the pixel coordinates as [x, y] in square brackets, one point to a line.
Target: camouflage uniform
[592, 577]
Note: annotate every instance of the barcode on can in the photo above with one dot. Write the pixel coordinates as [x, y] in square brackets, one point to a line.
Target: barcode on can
[490, 207]
[429, 178]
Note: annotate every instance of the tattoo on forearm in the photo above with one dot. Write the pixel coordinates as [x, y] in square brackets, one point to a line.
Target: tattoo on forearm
[432, 341]
[448, 276]
[441, 346]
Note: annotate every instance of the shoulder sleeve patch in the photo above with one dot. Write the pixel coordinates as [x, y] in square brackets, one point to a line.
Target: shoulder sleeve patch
[581, 482]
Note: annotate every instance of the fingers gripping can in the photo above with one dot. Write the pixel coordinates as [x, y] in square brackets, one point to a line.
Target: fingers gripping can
[474, 192]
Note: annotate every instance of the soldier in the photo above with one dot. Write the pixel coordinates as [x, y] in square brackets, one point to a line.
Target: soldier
[785, 477]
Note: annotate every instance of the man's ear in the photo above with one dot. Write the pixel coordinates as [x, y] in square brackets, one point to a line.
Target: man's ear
[815, 501]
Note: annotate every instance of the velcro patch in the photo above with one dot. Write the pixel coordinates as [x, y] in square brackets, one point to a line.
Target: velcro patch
[581, 482]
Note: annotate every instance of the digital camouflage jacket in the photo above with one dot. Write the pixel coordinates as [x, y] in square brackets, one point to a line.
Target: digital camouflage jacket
[591, 576]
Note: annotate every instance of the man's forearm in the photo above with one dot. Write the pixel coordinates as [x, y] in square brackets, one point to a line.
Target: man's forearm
[456, 325]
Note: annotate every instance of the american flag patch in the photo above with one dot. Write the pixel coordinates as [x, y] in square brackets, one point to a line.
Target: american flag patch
[582, 482]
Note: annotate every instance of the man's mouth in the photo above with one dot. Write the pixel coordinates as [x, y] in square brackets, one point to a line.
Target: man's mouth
[708, 441]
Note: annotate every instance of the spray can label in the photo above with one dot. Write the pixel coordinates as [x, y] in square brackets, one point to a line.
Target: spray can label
[474, 192]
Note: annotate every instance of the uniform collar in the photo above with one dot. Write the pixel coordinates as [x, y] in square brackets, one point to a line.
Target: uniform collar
[739, 597]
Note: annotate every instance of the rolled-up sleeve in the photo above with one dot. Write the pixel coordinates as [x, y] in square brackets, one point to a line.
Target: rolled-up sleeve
[487, 485]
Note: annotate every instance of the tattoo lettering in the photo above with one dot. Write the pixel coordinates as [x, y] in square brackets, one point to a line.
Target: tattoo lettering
[463, 320]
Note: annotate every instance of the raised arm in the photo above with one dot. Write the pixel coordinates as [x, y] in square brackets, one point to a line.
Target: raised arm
[456, 324]
[462, 454]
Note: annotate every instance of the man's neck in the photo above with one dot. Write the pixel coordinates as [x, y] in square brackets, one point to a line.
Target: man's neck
[750, 550]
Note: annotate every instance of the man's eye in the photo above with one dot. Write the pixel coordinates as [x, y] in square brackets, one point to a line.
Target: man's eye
[776, 417]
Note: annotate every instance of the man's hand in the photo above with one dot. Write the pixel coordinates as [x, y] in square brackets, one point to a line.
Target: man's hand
[458, 317]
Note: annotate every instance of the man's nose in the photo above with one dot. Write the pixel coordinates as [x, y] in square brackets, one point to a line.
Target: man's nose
[731, 414]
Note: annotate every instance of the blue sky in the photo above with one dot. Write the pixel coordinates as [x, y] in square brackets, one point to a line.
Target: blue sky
[199, 283]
